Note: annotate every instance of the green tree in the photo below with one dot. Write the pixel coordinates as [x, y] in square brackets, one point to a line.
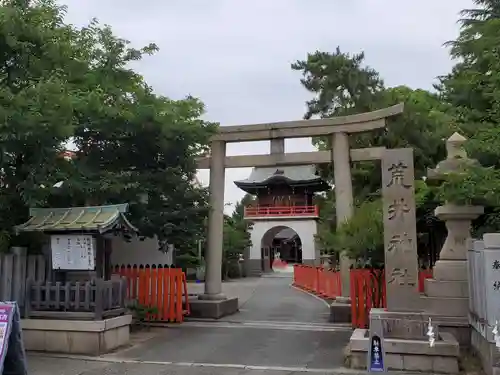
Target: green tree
[236, 241]
[472, 91]
[60, 83]
[136, 146]
[239, 208]
[39, 75]
[327, 223]
[362, 237]
[236, 237]
[342, 84]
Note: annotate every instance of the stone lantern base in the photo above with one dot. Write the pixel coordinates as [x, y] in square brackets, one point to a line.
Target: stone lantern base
[447, 292]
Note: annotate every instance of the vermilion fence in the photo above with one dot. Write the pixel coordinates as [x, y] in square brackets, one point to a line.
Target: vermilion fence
[163, 288]
[367, 288]
[367, 292]
[317, 280]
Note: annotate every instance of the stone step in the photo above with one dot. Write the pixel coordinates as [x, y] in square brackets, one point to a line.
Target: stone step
[438, 288]
[445, 306]
[340, 313]
[450, 270]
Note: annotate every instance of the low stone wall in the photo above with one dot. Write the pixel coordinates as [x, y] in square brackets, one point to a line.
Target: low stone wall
[76, 336]
[408, 355]
[487, 353]
[253, 267]
[340, 312]
[209, 309]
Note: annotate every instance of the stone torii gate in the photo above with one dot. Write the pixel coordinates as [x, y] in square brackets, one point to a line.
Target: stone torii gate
[213, 303]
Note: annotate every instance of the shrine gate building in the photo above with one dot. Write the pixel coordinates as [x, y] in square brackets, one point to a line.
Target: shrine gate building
[284, 216]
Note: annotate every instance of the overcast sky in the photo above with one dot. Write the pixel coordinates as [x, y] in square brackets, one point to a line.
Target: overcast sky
[235, 55]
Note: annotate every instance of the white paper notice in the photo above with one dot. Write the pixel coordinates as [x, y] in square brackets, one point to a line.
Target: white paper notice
[73, 252]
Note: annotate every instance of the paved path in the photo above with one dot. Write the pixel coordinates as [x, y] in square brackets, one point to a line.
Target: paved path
[274, 300]
[60, 366]
[279, 330]
[242, 288]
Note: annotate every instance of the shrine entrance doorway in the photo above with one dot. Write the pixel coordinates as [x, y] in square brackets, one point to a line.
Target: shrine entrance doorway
[287, 245]
[280, 245]
[284, 245]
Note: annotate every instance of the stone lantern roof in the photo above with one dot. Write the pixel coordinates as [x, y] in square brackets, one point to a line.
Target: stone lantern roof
[456, 159]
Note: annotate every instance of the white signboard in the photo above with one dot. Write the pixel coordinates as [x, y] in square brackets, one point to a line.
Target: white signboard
[73, 252]
[492, 276]
[477, 280]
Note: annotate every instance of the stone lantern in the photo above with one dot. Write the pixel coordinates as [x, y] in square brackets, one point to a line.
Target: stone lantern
[450, 271]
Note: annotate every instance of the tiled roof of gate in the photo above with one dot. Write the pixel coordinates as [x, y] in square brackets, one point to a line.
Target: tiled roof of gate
[302, 173]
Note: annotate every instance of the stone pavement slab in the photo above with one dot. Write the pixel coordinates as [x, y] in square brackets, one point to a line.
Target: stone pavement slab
[245, 346]
[243, 289]
[40, 365]
[276, 326]
[275, 300]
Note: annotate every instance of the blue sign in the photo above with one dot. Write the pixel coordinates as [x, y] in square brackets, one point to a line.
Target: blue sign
[376, 362]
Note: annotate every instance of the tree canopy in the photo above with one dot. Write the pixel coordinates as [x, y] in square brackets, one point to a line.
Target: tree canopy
[236, 236]
[342, 84]
[465, 100]
[61, 84]
[472, 91]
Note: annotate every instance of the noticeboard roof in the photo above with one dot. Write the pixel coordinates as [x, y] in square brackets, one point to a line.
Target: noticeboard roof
[98, 219]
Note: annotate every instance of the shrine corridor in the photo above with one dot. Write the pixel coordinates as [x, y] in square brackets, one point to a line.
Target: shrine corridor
[278, 330]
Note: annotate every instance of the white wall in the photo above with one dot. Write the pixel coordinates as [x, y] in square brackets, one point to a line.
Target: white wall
[306, 229]
[138, 252]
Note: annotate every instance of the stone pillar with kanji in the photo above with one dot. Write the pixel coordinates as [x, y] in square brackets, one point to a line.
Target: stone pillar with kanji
[400, 237]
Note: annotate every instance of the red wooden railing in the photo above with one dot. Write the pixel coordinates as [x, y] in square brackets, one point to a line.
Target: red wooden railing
[367, 292]
[367, 288]
[317, 280]
[156, 286]
[281, 211]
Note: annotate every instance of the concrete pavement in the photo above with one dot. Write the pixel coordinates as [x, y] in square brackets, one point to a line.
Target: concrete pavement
[274, 300]
[243, 289]
[279, 330]
[63, 366]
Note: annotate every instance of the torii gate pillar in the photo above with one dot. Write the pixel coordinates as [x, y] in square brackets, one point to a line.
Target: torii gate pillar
[343, 199]
[213, 257]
